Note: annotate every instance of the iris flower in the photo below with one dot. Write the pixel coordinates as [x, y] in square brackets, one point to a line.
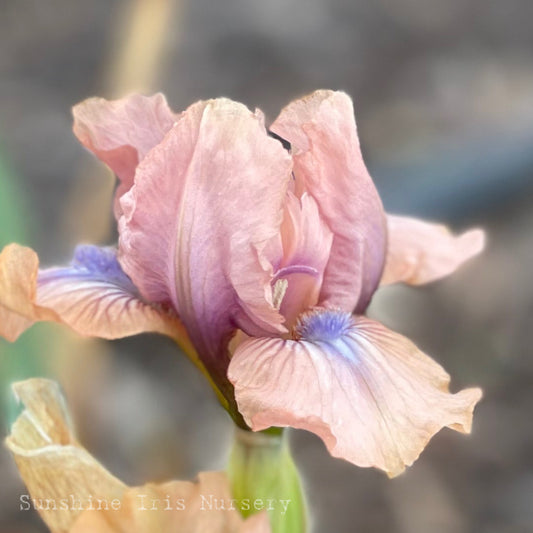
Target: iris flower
[258, 251]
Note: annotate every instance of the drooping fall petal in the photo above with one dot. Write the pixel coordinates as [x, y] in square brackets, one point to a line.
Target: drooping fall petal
[420, 252]
[122, 132]
[92, 296]
[204, 204]
[328, 165]
[369, 393]
[74, 493]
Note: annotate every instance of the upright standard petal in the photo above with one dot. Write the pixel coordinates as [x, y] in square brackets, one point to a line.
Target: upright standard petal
[369, 393]
[204, 205]
[122, 132]
[74, 493]
[420, 252]
[328, 165]
[93, 296]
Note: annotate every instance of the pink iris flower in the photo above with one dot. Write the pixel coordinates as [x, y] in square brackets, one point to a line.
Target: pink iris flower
[260, 258]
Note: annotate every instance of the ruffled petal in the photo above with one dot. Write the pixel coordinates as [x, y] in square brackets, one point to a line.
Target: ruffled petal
[204, 204]
[18, 281]
[420, 252]
[51, 462]
[122, 132]
[372, 396]
[74, 493]
[328, 165]
[93, 296]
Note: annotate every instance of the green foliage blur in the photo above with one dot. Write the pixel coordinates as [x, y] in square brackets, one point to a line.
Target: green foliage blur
[22, 359]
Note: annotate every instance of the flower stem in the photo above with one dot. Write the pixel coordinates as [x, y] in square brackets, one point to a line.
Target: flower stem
[264, 476]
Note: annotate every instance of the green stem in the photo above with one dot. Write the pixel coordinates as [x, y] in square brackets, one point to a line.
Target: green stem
[264, 476]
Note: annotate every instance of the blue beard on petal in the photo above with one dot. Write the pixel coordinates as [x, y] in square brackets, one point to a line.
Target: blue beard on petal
[323, 325]
[94, 264]
[102, 262]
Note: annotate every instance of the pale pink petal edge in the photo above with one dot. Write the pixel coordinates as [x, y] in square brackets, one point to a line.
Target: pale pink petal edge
[421, 252]
[401, 394]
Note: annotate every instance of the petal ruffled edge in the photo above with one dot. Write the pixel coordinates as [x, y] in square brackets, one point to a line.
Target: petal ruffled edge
[217, 183]
[370, 394]
[93, 297]
[421, 252]
[57, 469]
[121, 132]
[328, 164]
[51, 462]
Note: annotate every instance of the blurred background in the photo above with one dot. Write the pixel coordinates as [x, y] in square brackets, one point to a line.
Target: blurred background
[443, 93]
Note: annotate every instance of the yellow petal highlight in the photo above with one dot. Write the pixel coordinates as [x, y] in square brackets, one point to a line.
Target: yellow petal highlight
[176, 506]
[51, 462]
[74, 493]
[91, 307]
[18, 282]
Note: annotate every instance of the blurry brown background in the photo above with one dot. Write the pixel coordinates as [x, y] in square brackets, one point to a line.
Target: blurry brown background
[443, 93]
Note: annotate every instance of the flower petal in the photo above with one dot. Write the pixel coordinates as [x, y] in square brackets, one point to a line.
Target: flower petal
[299, 254]
[420, 252]
[204, 204]
[93, 296]
[18, 280]
[122, 132]
[75, 494]
[369, 393]
[180, 507]
[51, 462]
[328, 165]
